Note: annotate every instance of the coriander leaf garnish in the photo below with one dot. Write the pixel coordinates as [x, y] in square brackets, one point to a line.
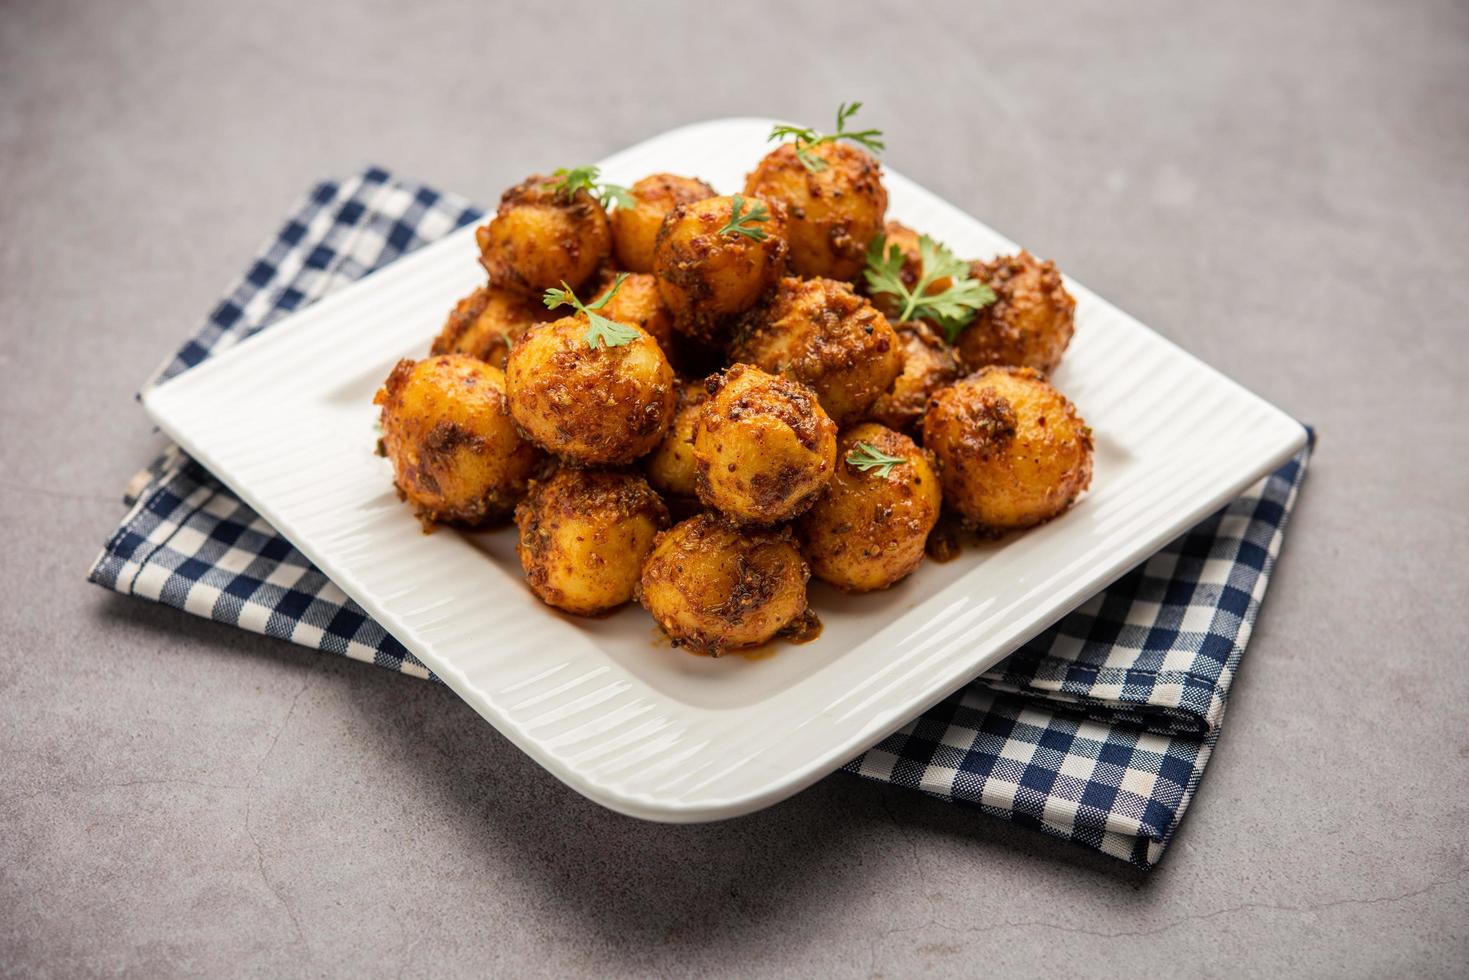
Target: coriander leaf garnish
[609, 333]
[585, 179]
[868, 458]
[741, 224]
[808, 139]
[952, 308]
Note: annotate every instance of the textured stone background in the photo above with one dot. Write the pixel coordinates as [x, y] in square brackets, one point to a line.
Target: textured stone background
[1279, 188]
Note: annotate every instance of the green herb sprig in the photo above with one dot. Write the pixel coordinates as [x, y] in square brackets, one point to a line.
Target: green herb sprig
[952, 309]
[609, 333]
[743, 224]
[808, 139]
[585, 179]
[869, 459]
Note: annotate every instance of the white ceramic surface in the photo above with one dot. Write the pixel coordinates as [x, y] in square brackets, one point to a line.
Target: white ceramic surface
[607, 706]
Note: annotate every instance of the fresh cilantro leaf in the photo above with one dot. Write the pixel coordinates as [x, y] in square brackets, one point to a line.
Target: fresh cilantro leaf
[807, 139]
[742, 224]
[869, 459]
[585, 179]
[951, 309]
[600, 330]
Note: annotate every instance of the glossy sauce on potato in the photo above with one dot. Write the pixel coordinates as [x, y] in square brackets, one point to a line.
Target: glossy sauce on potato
[821, 333]
[540, 238]
[584, 535]
[635, 229]
[446, 428]
[1012, 451]
[763, 446]
[832, 213]
[714, 586]
[594, 405]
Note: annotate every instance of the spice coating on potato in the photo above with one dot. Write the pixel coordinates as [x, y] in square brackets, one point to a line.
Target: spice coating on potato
[928, 365]
[1029, 324]
[670, 467]
[763, 446]
[540, 238]
[638, 303]
[1012, 451]
[592, 405]
[486, 323]
[708, 275]
[867, 531]
[584, 535]
[635, 229]
[833, 213]
[456, 455]
[713, 586]
[821, 333]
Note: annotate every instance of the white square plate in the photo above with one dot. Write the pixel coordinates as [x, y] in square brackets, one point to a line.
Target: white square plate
[286, 419]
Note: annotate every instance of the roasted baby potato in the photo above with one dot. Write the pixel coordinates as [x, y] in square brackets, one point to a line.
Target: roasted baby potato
[714, 586]
[1012, 451]
[447, 431]
[928, 365]
[1029, 324]
[584, 535]
[869, 528]
[763, 446]
[541, 237]
[832, 213]
[635, 229]
[670, 467]
[711, 265]
[486, 323]
[637, 302]
[594, 405]
[821, 333]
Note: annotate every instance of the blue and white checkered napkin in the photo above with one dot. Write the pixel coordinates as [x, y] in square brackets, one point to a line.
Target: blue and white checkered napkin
[1097, 731]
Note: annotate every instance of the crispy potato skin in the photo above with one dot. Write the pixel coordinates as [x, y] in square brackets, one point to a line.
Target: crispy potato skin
[637, 303]
[928, 365]
[763, 447]
[670, 467]
[866, 531]
[594, 406]
[635, 229]
[714, 586]
[486, 323]
[1029, 324]
[584, 535]
[538, 238]
[821, 333]
[705, 277]
[447, 431]
[833, 213]
[1012, 451]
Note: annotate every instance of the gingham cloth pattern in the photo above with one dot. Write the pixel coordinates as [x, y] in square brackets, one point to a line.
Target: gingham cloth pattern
[1097, 731]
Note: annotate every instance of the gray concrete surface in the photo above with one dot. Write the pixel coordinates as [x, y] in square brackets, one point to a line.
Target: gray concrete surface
[1280, 188]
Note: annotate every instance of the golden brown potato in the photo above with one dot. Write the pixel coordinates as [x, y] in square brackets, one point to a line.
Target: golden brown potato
[584, 535]
[1029, 324]
[1012, 451]
[906, 239]
[671, 467]
[540, 237]
[868, 530]
[821, 333]
[593, 405]
[928, 365]
[637, 302]
[447, 431]
[487, 322]
[832, 214]
[635, 229]
[713, 586]
[763, 447]
[708, 272]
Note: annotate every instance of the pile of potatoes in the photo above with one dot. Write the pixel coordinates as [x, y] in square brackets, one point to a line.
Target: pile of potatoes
[759, 418]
